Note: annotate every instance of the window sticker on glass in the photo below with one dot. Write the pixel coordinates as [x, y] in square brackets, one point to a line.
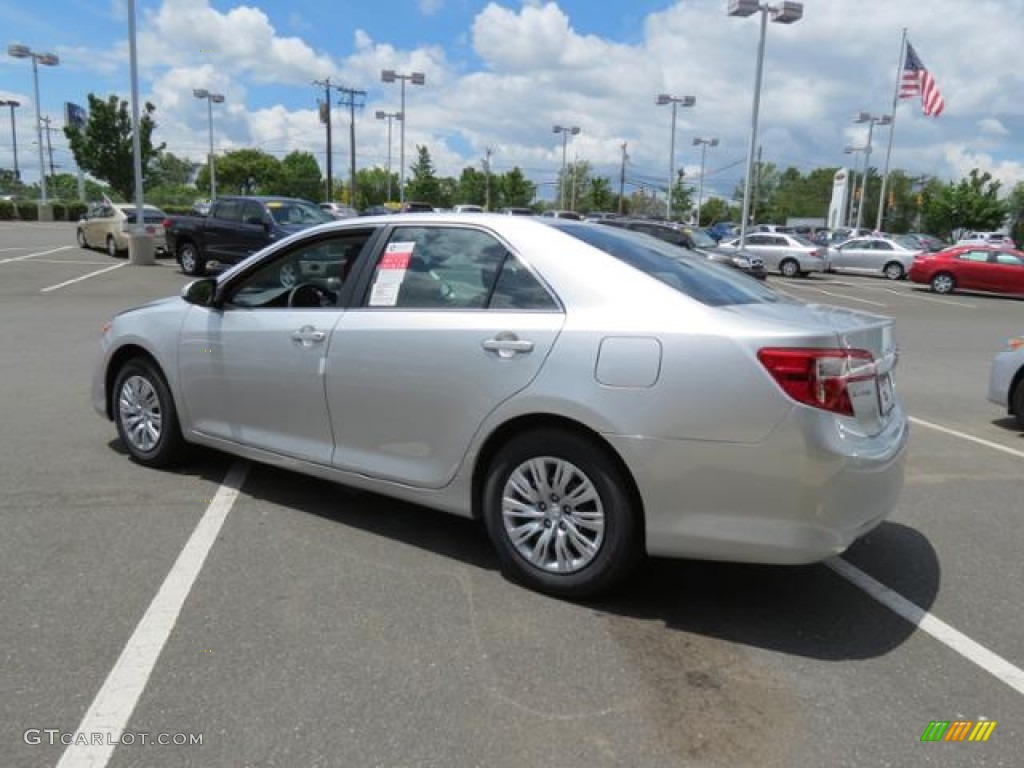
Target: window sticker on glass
[390, 274]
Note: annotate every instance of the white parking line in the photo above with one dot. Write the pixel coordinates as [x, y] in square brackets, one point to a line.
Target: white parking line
[971, 438]
[16, 248]
[33, 255]
[68, 261]
[49, 288]
[838, 295]
[909, 294]
[974, 652]
[109, 712]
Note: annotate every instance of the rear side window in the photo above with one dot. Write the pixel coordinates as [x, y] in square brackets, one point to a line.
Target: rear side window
[704, 282]
[229, 210]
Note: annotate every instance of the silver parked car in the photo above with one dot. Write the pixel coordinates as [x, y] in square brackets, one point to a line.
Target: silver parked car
[1006, 379]
[888, 256]
[585, 392]
[789, 255]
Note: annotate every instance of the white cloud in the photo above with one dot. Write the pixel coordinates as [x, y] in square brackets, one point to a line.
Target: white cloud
[430, 7]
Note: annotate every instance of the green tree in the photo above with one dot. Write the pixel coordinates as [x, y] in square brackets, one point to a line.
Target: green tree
[574, 182]
[300, 177]
[599, 195]
[423, 186]
[372, 187]
[682, 199]
[514, 190]
[716, 209]
[973, 203]
[472, 187]
[104, 147]
[64, 186]
[167, 169]
[1015, 210]
[243, 171]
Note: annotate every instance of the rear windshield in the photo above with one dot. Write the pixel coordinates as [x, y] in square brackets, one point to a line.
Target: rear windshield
[697, 278]
[149, 216]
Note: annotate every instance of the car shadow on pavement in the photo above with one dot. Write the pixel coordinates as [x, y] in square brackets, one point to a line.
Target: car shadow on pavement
[1008, 423]
[801, 610]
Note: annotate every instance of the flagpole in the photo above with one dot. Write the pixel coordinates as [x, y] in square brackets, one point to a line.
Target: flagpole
[892, 129]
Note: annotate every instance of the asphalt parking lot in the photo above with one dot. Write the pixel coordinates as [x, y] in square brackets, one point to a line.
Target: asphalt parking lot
[327, 627]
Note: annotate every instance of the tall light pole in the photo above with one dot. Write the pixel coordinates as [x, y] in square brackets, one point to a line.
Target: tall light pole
[416, 78]
[872, 121]
[850, 150]
[704, 144]
[47, 60]
[211, 99]
[566, 131]
[686, 101]
[389, 116]
[781, 13]
[14, 134]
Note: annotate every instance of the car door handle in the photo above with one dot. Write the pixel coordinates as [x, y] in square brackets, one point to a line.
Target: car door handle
[508, 345]
[308, 335]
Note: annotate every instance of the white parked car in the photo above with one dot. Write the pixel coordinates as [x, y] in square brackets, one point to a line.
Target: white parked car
[888, 256]
[105, 225]
[1006, 379]
[790, 255]
[1000, 239]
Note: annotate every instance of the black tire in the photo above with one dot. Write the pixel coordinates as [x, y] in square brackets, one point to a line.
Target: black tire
[789, 268]
[80, 236]
[943, 282]
[619, 547]
[112, 249]
[145, 415]
[894, 271]
[191, 260]
[1017, 401]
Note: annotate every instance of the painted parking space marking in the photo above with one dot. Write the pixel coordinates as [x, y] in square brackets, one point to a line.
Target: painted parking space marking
[839, 295]
[49, 288]
[909, 294]
[33, 255]
[16, 248]
[953, 639]
[970, 438]
[109, 712]
[68, 261]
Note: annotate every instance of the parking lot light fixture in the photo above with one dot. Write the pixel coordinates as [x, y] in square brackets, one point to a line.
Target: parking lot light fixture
[704, 144]
[47, 60]
[389, 116]
[416, 78]
[566, 131]
[14, 133]
[872, 121]
[675, 101]
[781, 13]
[211, 99]
[850, 150]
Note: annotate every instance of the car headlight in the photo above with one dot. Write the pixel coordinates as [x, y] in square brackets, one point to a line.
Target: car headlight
[741, 262]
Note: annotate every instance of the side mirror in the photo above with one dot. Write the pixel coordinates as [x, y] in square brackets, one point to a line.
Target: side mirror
[201, 292]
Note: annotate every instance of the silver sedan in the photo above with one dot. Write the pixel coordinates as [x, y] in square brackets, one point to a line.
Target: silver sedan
[1006, 379]
[587, 394]
[888, 256]
[789, 255]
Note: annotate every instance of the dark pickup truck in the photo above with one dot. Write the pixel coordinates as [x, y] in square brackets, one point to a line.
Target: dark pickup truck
[235, 228]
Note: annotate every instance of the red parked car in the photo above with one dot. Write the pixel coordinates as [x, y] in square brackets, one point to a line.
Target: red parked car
[971, 268]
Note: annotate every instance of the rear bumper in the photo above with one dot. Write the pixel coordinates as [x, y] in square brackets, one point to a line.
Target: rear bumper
[807, 492]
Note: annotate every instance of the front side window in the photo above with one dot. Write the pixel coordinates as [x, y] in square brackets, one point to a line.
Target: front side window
[297, 212]
[310, 275]
[979, 256]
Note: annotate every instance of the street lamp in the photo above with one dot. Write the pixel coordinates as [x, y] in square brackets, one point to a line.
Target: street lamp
[566, 131]
[14, 134]
[416, 78]
[211, 99]
[47, 60]
[704, 144]
[686, 101]
[872, 121]
[853, 188]
[389, 116]
[781, 13]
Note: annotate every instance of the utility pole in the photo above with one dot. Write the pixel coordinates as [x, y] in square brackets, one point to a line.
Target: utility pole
[622, 177]
[325, 117]
[349, 100]
[487, 182]
[756, 184]
[49, 147]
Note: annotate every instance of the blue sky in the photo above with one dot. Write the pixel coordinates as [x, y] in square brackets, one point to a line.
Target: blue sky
[500, 74]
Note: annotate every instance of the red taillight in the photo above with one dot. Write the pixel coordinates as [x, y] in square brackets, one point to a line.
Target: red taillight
[166, 223]
[817, 377]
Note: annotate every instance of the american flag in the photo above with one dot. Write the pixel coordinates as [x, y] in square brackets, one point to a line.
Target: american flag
[918, 80]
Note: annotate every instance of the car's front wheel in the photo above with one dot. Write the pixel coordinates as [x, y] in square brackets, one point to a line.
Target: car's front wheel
[789, 268]
[80, 236]
[192, 263]
[1018, 404]
[560, 514]
[943, 282]
[144, 412]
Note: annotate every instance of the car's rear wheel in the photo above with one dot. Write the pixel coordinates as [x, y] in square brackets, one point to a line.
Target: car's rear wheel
[1017, 401]
[80, 236]
[893, 270]
[560, 514]
[192, 263]
[112, 249]
[144, 412]
[789, 268]
[943, 282]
